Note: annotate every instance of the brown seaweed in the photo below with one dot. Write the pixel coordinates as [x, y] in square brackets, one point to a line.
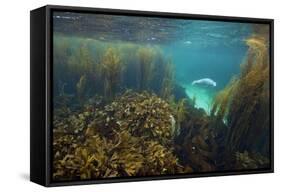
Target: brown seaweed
[111, 67]
[138, 140]
[244, 102]
[146, 66]
[168, 81]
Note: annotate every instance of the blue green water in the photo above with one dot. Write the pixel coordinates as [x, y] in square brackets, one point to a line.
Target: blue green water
[198, 49]
[218, 62]
[212, 50]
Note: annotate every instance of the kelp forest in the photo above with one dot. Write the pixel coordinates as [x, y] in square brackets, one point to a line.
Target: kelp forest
[119, 110]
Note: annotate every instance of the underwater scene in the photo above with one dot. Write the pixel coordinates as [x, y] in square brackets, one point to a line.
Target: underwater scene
[138, 96]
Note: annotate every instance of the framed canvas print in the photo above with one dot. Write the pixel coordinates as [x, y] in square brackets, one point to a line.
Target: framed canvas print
[120, 95]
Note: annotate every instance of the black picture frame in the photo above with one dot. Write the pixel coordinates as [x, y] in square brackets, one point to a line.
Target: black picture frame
[41, 92]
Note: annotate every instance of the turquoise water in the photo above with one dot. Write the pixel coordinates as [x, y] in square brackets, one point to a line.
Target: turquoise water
[212, 50]
[198, 49]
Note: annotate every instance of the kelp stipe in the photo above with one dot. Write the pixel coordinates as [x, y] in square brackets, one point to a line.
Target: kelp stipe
[80, 62]
[111, 67]
[180, 113]
[145, 56]
[168, 80]
[81, 89]
[220, 105]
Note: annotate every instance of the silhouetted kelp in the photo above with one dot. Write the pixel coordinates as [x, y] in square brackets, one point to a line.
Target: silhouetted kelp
[81, 88]
[145, 67]
[105, 68]
[110, 70]
[167, 85]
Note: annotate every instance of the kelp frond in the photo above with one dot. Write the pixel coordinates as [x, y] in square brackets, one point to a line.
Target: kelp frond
[111, 68]
[222, 100]
[146, 66]
[168, 80]
[243, 103]
[81, 88]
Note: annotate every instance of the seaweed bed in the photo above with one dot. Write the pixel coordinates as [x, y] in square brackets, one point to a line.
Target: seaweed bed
[112, 127]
